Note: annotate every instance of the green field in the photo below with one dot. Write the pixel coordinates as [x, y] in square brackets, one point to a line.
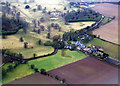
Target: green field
[47, 63]
[57, 60]
[109, 48]
[20, 71]
[105, 20]
[5, 66]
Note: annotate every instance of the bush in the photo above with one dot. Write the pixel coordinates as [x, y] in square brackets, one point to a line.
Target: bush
[4, 72]
[63, 81]
[43, 71]
[56, 77]
[27, 7]
[48, 43]
[32, 66]
[10, 67]
[36, 70]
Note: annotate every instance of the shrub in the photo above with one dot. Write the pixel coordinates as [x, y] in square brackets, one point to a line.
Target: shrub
[63, 81]
[32, 66]
[48, 43]
[27, 7]
[43, 71]
[56, 77]
[36, 70]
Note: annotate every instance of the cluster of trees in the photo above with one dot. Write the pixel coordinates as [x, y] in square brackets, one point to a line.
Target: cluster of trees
[8, 56]
[81, 15]
[38, 22]
[84, 35]
[77, 5]
[9, 68]
[39, 8]
[56, 26]
[37, 31]
[13, 24]
[56, 43]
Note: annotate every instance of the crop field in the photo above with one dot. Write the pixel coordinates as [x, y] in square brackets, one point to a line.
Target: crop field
[109, 31]
[57, 60]
[109, 48]
[35, 78]
[87, 71]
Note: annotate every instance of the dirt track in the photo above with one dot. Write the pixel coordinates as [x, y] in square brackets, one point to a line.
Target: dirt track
[87, 71]
[36, 78]
[109, 31]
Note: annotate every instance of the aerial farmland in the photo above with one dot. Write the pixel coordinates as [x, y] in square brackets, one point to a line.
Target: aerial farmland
[59, 42]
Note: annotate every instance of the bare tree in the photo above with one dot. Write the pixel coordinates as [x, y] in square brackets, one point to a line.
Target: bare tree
[38, 23]
[49, 28]
[34, 22]
[42, 27]
[39, 7]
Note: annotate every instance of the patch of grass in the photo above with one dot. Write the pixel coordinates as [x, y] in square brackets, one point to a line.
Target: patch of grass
[57, 60]
[105, 20]
[38, 50]
[109, 48]
[5, 66]
[20, 71]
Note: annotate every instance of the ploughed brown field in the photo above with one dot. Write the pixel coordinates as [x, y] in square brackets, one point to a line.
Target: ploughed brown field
[36, 78]
[87, 71]
[109, 31]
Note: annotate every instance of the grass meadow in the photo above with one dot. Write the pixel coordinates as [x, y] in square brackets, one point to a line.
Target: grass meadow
[57, 60]
[109, 48]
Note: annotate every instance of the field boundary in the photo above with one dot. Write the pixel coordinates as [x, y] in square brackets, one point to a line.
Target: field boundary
[53, 53]
[108, 41]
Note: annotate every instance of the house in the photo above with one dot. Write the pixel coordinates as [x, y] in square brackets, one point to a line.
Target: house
[67, 47]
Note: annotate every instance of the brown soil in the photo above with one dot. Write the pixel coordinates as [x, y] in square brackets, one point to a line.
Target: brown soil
[87, 71]
[109, 31]
[36, 78]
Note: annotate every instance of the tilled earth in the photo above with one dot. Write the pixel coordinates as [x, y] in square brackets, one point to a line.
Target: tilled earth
[87, 71]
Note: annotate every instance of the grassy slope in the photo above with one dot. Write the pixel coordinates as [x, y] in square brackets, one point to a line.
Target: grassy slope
[20, 71]
[12, 42]
[57, 60]
[109, 48]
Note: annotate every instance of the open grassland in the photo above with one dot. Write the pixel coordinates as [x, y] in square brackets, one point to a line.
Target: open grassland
[19, 72]
[57, 60]
[50, 7]
[79, 25]
[109, 48]
[12, 42]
